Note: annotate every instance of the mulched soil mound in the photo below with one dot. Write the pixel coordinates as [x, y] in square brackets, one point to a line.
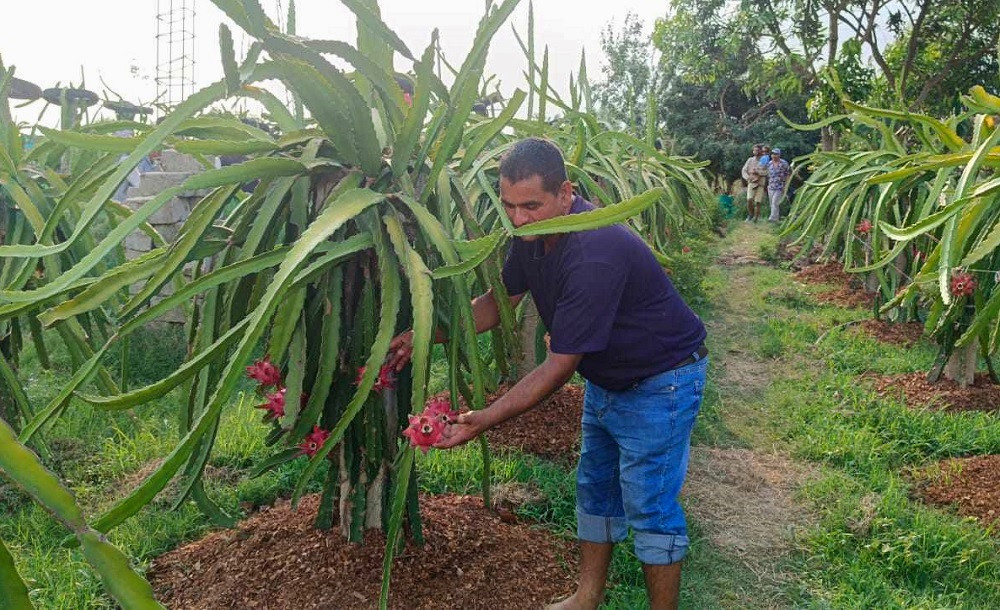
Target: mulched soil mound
[550, 430]
[824, 273]
[848, 292]
[794, 255]
[276, 559]
[847, 297]
[970, 484]
[903, 333]
[946, 395]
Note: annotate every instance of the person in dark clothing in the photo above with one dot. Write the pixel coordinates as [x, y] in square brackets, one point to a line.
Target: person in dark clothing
[613, 316]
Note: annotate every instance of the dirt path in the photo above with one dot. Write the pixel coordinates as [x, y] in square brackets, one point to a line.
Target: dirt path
[743, 498]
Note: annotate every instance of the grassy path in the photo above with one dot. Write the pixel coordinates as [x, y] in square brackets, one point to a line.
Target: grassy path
[798, 492]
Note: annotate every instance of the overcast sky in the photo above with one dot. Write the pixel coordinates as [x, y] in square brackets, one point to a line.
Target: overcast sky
[49, 40]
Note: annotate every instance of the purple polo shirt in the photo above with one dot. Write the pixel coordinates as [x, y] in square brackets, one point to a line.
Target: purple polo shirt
[601, 293]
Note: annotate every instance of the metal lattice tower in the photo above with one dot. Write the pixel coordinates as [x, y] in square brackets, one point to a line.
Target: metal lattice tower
[174, 50]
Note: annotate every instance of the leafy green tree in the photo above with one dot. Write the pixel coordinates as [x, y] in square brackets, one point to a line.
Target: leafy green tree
[631, 75]
[712, 104]
[903, 54]
[941, 50]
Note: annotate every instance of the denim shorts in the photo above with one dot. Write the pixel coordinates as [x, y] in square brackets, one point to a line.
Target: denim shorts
[633, 460]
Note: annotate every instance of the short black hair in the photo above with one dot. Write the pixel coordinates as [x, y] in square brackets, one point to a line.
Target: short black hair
[535, 157]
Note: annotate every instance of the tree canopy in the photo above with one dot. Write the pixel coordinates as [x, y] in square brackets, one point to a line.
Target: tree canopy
[719, 72]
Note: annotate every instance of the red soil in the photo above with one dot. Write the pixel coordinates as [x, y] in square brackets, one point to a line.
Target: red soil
[971, 485]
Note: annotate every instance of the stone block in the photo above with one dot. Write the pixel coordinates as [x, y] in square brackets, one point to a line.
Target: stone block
[173, 316]
[168, 231]
[174, 211]
[139, 242]
[154, 183]
[131, 254]
[173, 161]
[164, 291]
[196, 194]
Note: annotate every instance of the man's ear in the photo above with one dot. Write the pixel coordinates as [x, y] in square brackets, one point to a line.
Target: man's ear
[566, 195]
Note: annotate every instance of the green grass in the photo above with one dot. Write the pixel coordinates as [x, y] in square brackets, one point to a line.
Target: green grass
[872, 545]
[97, 453]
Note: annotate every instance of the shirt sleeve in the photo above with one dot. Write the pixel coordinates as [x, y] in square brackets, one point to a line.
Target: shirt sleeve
[513, 275]
[586, 309]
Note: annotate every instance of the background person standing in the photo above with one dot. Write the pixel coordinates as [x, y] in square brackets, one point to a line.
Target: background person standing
[778, 171]
[756, 179]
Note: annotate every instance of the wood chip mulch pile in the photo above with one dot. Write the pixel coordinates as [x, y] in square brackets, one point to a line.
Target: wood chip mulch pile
[983, 395]
[849, 291]
[903, 334]
[550, 430]
[276, 559]
[824, 273]
[970, 484]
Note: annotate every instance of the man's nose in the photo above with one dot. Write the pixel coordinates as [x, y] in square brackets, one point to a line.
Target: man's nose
[520, 217]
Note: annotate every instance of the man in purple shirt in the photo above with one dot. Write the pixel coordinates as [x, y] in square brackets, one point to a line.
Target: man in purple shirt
[614, 317]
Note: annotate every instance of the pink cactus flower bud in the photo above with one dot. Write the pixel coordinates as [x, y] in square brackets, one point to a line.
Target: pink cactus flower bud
[264, 372]
[424, 430]
[314, 441]
[865, 226]
[275, 405]
[686, 250]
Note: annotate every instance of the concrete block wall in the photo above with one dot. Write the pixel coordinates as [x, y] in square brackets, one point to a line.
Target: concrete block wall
[172, 169]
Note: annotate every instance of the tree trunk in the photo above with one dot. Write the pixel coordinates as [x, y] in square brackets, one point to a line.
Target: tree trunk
[827, 139]
[961, 366]
[871, 282]
[8, 409]
[526, 330]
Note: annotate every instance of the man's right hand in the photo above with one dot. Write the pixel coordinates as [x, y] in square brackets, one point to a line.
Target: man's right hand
[401, 350]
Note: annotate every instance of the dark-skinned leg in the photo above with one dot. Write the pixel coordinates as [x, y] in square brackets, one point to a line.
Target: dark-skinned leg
[663, 585]
[595, 558]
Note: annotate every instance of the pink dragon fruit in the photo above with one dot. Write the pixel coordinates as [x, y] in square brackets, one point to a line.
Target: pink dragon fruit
[440, 408]
[424, 430]
[264, 372]
[275, 405]
[386, 378]
[313, 441]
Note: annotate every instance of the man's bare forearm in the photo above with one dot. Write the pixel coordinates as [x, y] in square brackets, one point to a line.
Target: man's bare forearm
[542, 381]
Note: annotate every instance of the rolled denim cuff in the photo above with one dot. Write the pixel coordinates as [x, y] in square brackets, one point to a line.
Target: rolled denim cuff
[594, 528]
[660, 549]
